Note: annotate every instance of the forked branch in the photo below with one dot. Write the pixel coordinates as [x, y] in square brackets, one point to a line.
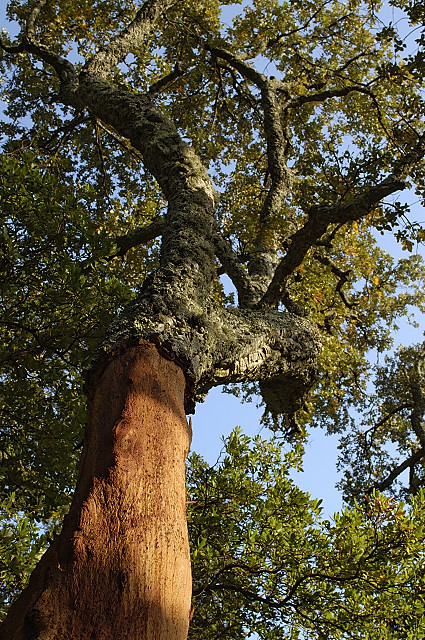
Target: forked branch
[397, 471]
[277, 138]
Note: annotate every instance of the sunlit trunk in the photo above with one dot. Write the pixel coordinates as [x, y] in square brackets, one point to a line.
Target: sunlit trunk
[120, 570]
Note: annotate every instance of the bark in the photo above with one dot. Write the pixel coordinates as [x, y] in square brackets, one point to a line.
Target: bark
[120, 568]
[218, 346]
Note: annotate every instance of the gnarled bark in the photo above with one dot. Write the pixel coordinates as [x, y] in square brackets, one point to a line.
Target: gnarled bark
[120, 568]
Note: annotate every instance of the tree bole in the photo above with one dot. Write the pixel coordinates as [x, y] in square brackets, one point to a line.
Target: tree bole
[120, 569]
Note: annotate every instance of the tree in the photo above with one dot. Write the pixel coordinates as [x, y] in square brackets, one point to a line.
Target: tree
[270, 151]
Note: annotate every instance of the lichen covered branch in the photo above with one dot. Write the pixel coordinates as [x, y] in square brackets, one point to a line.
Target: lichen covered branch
[119, 47]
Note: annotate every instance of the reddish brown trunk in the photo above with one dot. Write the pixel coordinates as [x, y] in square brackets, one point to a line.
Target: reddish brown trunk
[120, 569]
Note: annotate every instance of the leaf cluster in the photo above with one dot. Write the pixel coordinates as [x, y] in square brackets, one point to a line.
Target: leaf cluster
[266, 561]
[58, 293]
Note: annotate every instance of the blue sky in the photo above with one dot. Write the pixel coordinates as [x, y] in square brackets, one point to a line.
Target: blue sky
[221, 412]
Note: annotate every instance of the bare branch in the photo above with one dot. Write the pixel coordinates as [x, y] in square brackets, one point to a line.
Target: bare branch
[140, 236]
[123, 142]
[292, 32]
[156, 87]
[276, 603]
[349, 62]
[320, 217]
[340, 93]
[234, 269]
[66, 130]
[321, 96]
[410, 462]
[387, 417]
[65, 69]
[246, 69]
[106, 58]
[130, 240]
[277, 140]
[340, 274]
[101, 157]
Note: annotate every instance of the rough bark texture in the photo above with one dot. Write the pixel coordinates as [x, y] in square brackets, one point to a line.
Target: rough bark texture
[217, 346]
[120, 570]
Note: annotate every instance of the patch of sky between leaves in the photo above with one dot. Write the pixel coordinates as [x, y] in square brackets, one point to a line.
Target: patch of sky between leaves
[222, 412]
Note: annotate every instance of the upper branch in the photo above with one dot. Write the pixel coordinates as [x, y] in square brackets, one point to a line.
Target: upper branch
[140, 236]
[234, 269]
[277, 137]
[29, 30]
[104, 60]
[321, 96]
[417, 415]
[277, 140]
[397, 471]
[64, 68]
[343, 277]
[287, 34]
[156, 87]
[119, 47]
[320, 217]
[245, 69]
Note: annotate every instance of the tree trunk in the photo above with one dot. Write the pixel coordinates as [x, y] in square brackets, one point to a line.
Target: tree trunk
[120, 569]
